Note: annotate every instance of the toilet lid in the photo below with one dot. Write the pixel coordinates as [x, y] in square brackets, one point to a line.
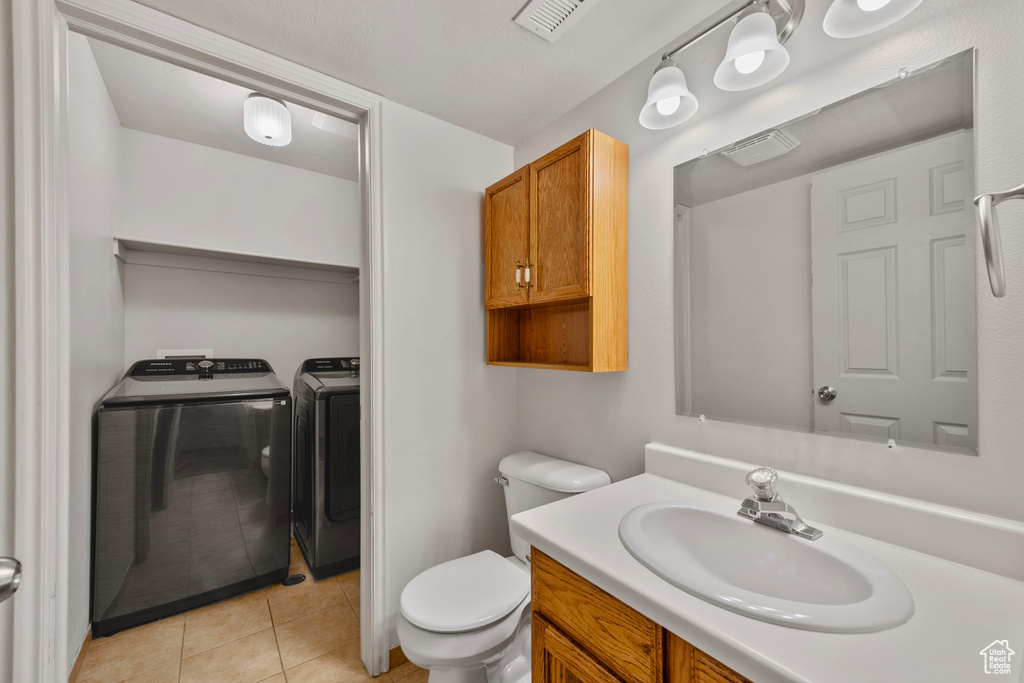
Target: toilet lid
[465, 594]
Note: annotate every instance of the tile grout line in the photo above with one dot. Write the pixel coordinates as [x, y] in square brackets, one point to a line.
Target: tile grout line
[277, 644]
[184, 626]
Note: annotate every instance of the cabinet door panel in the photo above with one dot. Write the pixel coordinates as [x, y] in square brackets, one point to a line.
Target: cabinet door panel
[598, 621]
[560, 223]
[556, 659]
[507, 210]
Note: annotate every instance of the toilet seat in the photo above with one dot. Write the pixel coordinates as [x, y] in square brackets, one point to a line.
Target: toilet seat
[465, 594]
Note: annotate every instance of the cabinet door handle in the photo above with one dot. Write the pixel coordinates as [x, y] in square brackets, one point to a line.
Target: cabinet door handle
[519, 276]
[527, 272]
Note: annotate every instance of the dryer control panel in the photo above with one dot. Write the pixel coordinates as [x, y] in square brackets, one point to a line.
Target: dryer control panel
[331, 365]
[198, 366]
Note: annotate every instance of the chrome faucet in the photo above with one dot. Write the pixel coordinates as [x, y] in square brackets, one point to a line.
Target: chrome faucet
[767, 507]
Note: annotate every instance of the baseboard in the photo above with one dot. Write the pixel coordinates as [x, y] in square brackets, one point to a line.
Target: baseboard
[396, 658]
[77, 668]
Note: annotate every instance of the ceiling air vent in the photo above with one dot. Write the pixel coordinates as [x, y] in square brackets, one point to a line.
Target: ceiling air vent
[549, 19]
[767, 146]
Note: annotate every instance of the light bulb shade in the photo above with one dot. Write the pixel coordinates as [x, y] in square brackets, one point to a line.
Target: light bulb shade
[267, 120]
[667, 82]
[753, 33]
[846, 19]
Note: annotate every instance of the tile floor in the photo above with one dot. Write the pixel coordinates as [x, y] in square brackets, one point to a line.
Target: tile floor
[298, 634]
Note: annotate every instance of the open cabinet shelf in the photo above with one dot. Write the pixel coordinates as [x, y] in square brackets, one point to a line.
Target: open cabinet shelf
[553, 337]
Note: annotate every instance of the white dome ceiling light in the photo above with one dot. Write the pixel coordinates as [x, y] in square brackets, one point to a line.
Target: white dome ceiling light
[267, 120]
[855, 18]
[669, 101]
[754, 56]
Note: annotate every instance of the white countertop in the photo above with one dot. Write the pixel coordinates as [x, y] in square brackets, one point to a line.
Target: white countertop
[959, 610]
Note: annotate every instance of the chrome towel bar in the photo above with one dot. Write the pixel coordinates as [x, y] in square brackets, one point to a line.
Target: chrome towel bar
[986, 204]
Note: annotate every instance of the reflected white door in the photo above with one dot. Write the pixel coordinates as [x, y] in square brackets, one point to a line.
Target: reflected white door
[892, 248]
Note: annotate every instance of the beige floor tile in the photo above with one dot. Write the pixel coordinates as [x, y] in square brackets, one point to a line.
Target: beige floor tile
[292, 602]
[157, 647]
[226, 621]
[350, 584]
[251, 659]
[315, 634]
[276, 678]
[167, 675]
[338, 666]
[417, 676]
[403, 672]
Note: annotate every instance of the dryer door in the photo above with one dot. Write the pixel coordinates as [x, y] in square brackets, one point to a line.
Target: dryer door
[342, 462]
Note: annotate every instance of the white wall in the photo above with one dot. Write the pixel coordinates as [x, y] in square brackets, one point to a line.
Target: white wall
[604, 420]
[96, 300]
[449, 418]
[6, 325]
[282, 320]
[210, 198]
[750, 322]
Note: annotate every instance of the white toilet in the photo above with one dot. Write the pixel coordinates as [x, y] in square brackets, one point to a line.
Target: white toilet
[468, 620]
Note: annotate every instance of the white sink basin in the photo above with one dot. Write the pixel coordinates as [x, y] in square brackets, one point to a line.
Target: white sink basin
[707, 550]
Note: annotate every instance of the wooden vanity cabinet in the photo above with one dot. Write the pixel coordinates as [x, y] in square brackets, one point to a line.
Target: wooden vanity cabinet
[555, 259]
[582, 634]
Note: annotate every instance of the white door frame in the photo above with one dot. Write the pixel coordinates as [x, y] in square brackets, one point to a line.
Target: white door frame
[41, 339]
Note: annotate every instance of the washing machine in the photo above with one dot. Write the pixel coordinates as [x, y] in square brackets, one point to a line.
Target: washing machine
[325, 505]
[191, 488]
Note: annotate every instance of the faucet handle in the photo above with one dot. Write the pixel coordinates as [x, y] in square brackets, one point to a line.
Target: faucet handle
[762, 480]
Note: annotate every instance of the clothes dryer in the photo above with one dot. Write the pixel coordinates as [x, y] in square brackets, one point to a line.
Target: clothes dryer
[326, 457]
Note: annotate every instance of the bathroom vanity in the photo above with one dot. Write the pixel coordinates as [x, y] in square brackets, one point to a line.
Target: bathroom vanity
[600, 615]
[573, 618]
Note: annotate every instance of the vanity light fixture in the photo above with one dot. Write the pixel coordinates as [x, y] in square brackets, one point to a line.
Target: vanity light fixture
[755, 53]
[267, 120]
[855, 18]
[754, 56]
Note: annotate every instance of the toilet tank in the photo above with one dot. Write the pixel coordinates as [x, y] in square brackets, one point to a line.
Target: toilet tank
[534, 480]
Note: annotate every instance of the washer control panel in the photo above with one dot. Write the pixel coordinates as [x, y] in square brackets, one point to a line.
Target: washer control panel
[198, 366]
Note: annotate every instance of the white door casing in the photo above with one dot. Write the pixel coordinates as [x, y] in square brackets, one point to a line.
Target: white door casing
[39, 29]
[892, 247]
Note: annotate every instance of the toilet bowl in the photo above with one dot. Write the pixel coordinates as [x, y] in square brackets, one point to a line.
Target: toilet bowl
[468, 620]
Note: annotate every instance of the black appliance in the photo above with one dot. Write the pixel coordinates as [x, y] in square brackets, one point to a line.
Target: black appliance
[191, 488]
[325, 505]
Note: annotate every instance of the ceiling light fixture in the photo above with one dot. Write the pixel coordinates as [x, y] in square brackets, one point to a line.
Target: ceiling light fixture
[753, 57]
[267, 120]
[855, 18]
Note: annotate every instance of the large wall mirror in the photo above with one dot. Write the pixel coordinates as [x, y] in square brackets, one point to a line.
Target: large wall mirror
[825, 269]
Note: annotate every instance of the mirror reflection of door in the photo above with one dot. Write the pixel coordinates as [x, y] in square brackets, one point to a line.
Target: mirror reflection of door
[892, 244]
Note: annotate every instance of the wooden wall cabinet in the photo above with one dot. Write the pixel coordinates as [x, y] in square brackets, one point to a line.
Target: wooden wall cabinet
[581, 634]
[555, 259]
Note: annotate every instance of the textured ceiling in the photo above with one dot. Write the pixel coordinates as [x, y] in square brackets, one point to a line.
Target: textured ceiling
[156, 97]
[463, 61]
